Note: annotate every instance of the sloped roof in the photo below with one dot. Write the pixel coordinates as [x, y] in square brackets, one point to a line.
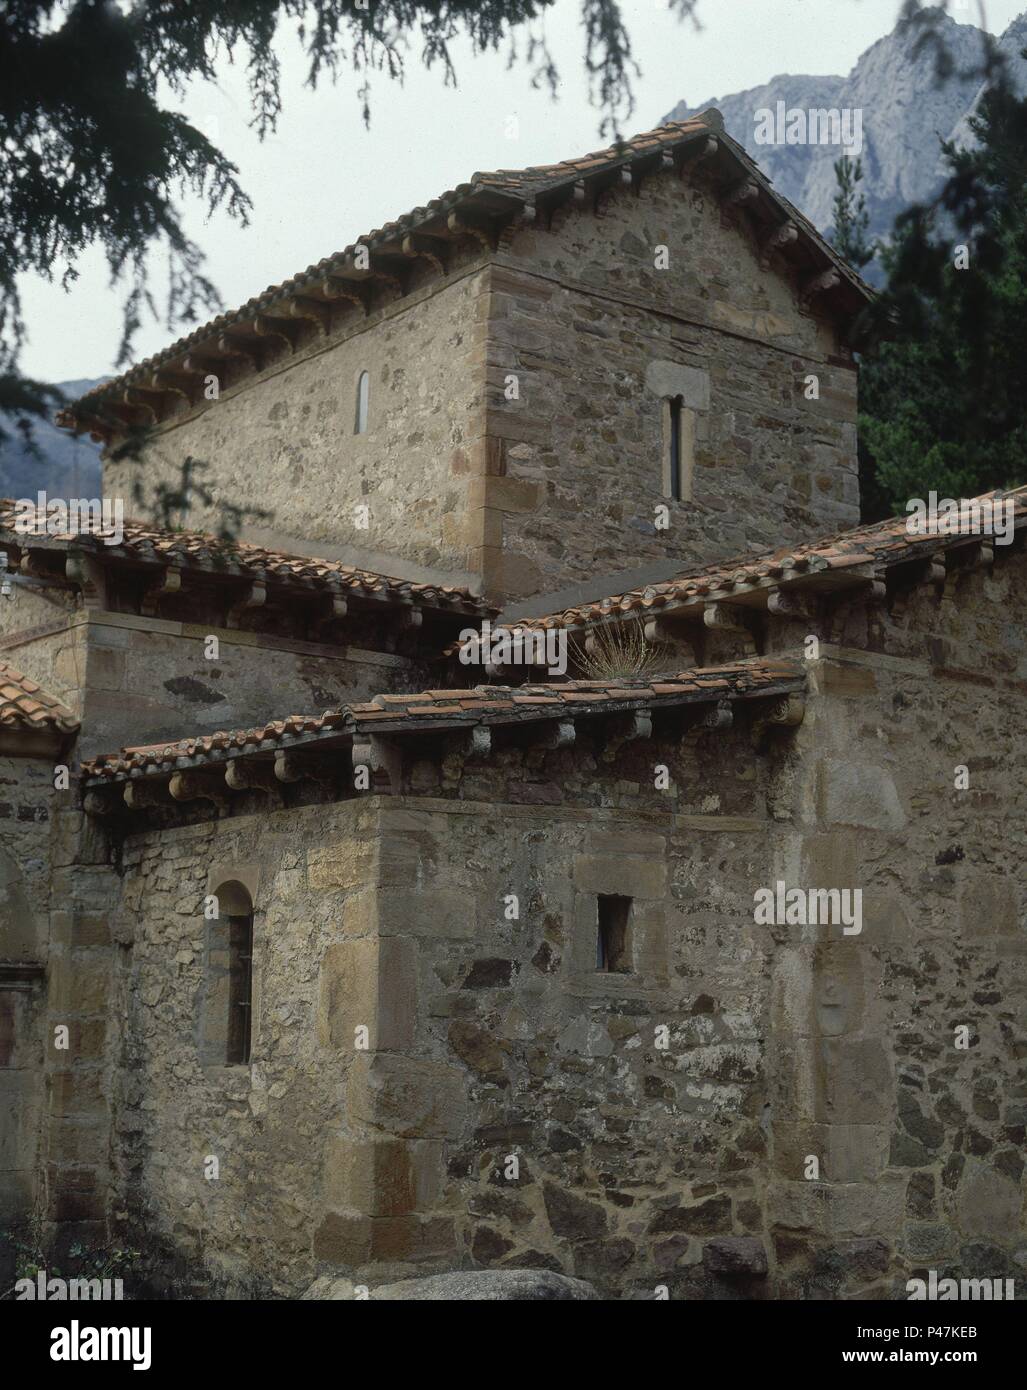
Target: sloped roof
[197, 550]
[882, 544]
[24, 704]
[497, 196]
[432, 710]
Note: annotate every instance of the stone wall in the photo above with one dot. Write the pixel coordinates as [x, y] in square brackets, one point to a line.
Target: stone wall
[283, 439]
[596, 335]
[919, 1127]
[40, 635]
[26, 796]
[250, 1229]
[554, 479]
[750, 1110]
[149, 679]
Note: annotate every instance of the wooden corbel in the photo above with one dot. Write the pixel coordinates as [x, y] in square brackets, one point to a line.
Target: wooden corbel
[170, 583]
[475, 742]
[141, 794]
[314, 311]
[785, 713]
[431, 249]
[297, 766]
[267, 327]
[87, 572]
[356, 292]
[481, 231]
[192, 784]
[726, 617]
[246, 774]
[254, 597]
[820, 283]
[739, 194]
[233, 347]
[140, 399]
[558, 733]
[721, 717]
[698, 153]
[784, 603]
[160, 381]
[620, 729]
[778, 239]
[383, 760]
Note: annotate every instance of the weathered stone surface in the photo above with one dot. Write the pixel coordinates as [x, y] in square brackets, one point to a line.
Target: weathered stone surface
[735, 1255]
[494, 1285]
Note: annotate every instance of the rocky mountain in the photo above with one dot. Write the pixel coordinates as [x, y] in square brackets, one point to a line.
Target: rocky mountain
[65, 467]
[906, 113]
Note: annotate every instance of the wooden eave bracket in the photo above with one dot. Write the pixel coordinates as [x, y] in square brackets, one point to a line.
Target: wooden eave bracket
[315, 311]
[787, 603]
[253, 774]
[191, 784]
[776, 241]
[295, 766]
[231, 346]
[744, 193]
[270, 326]
[819, 283]
[697, 152]
[87, 572]
[432, 249]
[556, 733]
[384, 760]
[254, 597]
[356, 291]
[170, 583]
[786, 712]
[481, 229]
[630, 727]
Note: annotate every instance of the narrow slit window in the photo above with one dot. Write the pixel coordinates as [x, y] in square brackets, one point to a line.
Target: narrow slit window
[613, 934]
[675, 449]
[240, 989]
[363, 397]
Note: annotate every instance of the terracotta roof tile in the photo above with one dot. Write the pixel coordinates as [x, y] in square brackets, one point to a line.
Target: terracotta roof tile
[25, 705]
[199, 550]
[487, 704]
[518, 184]
[879, 545]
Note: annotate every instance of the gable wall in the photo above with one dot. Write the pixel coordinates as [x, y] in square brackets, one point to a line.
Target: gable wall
[595, 335]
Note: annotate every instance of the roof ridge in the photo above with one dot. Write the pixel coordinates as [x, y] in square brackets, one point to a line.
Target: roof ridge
[494, 192]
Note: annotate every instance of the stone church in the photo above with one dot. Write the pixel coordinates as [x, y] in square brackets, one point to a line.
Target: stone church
[330, 954]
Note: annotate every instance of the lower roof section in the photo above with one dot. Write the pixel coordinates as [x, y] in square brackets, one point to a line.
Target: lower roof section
[431, 711]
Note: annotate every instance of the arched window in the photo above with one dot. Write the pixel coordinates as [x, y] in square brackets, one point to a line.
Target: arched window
[363, 394]
[228, 1023]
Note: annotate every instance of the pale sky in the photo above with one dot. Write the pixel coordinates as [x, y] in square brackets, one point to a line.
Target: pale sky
[323, 180]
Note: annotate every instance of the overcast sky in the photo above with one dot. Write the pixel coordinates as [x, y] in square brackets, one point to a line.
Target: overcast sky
[323, 180]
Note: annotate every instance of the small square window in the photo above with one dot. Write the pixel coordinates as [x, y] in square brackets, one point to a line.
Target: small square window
[613, 934]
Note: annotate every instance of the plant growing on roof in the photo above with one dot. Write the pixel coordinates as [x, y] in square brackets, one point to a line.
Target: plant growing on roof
[618, 651]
